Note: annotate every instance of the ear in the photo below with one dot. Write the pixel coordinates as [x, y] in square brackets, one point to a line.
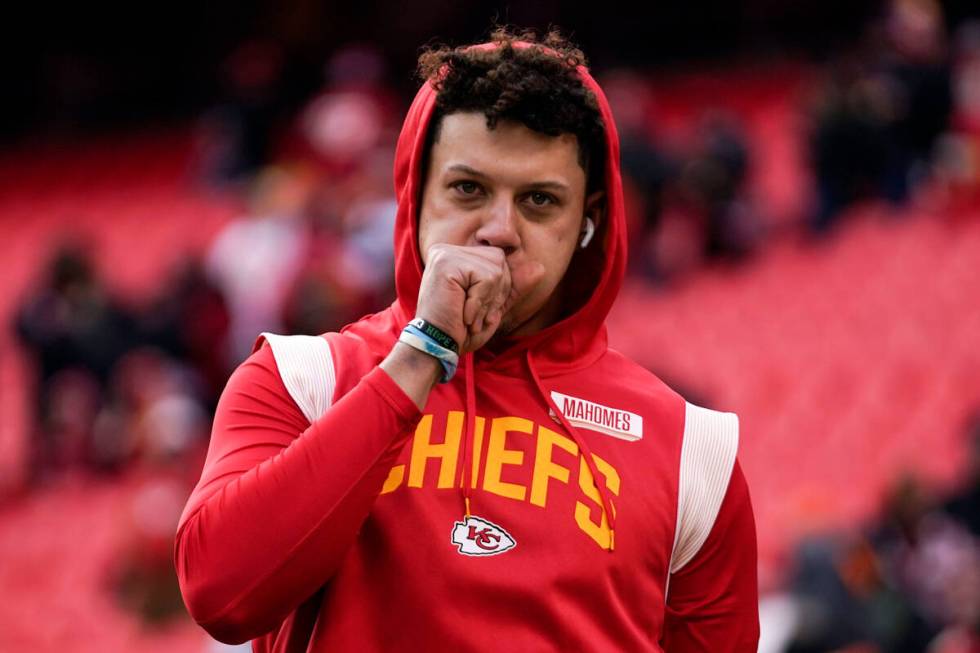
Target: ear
[595, 207]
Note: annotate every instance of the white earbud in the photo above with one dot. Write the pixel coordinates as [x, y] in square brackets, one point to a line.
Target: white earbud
[587, 233]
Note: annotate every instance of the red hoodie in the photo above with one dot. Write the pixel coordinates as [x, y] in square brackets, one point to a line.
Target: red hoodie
[330, 515]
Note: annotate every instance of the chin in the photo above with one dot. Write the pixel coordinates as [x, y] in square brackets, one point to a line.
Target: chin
[529, 317]
[513, 324]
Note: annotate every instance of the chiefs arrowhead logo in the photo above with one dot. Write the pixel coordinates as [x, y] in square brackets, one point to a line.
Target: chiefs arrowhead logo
[476, 536]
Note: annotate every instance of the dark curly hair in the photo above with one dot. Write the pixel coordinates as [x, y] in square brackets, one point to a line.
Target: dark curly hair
[528, 85]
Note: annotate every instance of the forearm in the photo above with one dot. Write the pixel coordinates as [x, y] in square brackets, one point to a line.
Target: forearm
[263, 535]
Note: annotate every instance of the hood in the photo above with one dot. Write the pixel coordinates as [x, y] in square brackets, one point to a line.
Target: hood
[597, 271]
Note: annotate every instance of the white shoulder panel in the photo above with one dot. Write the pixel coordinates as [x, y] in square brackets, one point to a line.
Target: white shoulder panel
[306, 368]
[707, 459]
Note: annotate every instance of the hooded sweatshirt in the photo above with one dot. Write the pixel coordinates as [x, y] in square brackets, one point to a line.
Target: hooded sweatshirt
[554, 496]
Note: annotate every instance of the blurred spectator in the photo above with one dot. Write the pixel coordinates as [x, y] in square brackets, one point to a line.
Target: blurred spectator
[369, 224]
[850, 148]
[706, 214]
[254, 260]
[190, 321]
[158, 427]
[844, 603]
[957, 155]
[964, 506]
[76, 333]
[958, 555]
[349, 270]
[917, 58]
[646, 169]
[353, 114]
[912, 585]
[235, 138]
[931, 558]
[153, 407]
[718, 172]
[877, 117]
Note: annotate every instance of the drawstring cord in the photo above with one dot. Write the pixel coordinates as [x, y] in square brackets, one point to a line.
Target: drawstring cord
[470, 373]
[584, 448]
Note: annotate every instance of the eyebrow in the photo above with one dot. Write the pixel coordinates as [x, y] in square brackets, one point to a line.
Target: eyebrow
[459, 167]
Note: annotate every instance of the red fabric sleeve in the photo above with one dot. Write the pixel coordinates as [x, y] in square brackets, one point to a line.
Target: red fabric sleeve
[713, 601]
[280, 500]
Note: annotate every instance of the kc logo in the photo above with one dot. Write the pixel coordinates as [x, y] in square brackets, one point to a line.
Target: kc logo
[485, 539]
[478, 537]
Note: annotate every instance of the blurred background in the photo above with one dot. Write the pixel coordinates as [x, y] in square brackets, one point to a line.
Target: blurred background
[803, 188]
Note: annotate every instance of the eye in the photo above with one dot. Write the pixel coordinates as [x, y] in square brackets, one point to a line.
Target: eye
[540, 199]
[468, 188]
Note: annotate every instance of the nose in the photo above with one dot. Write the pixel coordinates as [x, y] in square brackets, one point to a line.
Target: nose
[499, 226]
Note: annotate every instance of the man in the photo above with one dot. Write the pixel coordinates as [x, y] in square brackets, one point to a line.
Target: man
[360, 495]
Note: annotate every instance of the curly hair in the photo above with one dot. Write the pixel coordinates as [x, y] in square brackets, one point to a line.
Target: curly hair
[537, 86]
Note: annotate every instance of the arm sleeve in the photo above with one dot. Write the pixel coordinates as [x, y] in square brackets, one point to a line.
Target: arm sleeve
[280, 500]
[713, 601]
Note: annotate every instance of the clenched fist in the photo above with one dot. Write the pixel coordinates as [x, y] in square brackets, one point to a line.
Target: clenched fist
[466, 291]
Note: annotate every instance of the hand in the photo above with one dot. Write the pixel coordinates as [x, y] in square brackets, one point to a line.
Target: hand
[466, 291]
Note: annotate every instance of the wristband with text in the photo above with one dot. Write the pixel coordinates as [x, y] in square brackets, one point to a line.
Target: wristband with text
[442, 338]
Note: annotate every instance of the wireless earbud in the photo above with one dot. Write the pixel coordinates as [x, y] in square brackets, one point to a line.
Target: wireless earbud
[587, 233]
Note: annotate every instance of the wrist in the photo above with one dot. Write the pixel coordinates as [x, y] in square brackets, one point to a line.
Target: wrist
[415, 372]
[419, 362]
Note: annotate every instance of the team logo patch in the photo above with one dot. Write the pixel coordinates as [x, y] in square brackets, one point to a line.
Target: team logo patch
[620, 424]
[476, 536]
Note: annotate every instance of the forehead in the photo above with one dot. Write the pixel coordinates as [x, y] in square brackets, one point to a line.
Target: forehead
[509, 153]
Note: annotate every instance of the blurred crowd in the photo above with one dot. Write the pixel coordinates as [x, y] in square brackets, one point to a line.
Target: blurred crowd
[895, 118]
[908, 582]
